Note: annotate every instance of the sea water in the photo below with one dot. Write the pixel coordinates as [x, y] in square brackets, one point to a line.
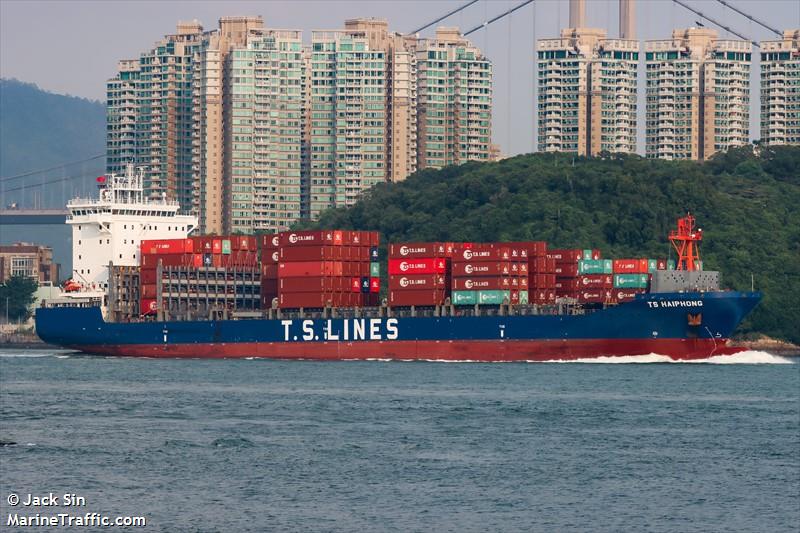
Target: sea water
[261, 445]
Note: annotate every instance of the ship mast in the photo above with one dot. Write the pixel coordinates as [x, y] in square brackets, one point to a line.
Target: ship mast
[686, 241]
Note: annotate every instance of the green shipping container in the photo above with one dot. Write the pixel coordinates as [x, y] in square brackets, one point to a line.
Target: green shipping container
[670, 264]
[226, 247]
[587, 254]
[523, 297]
[592, 266]
[652, 265]
[464, 297]
[375, 270]
[493, 297]
[630, 281]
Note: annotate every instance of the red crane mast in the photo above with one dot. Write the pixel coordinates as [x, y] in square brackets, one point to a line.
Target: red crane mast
[686, 241]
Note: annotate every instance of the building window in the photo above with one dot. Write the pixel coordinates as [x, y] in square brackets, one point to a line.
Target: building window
[22, 266]
[120, 256]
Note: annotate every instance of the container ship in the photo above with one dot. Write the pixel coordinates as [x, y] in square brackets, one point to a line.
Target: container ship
[157, 291]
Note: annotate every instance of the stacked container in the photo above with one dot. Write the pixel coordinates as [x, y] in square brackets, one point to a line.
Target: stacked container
[541, 272]
[199, 272]
[582, 275]
[419, 273]
[489, 274]
[327, 268]
[269, 245]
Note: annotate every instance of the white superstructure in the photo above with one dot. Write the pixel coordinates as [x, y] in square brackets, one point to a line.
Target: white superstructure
[109, 229]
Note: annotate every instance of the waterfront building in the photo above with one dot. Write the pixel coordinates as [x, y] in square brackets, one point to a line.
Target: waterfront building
[780, 89]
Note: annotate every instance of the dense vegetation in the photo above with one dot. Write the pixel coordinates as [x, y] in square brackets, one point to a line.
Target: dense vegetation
[748, 206]
[39, 130]
[17, 294]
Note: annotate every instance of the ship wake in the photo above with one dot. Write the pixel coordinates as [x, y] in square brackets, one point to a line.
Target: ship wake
[749, 357]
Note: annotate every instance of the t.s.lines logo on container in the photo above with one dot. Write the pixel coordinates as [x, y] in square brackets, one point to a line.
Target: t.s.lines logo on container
[467, 254]
[469, 269]
[275, 256]
[468, 284]
[292, 238]
[404, 250]
[404, 266]
[404, 282]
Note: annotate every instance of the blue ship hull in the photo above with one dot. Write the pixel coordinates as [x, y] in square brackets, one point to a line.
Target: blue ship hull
[678, 325]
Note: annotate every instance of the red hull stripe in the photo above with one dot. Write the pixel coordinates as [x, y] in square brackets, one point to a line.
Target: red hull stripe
[489, 351]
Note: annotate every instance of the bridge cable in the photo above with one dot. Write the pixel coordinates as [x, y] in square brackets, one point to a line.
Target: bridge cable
[453, 12]
[498, 17]
[32, 172]
[742, 13]
[718, 24]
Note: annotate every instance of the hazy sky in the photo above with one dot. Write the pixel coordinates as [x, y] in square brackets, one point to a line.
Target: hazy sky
[72, 47]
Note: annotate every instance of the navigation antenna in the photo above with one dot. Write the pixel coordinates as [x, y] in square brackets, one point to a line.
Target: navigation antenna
[686, 241]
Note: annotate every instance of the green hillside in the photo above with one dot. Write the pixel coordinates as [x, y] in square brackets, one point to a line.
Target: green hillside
[39, 129]
[748, 207]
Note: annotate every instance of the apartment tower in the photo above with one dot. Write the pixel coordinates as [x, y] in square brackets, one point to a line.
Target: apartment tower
[780, 89]
[698, 94]
[455, 101]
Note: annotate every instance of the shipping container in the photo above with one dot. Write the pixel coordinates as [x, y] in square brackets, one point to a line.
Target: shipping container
[374, 285]
[479, 252]
[374, 256]
[625, 295]
[596, 281]
[594, 296]
[503, 268]
[566, 269]
[310, 284]
[418, 298]
[419, 282]
[167, 247]
[246, 243]
[311, 238]
[270, 286]
[565, 256]
[148, 290]
[315, 300]
[427, 250]
[375, 270]
[591, 254]
[595, 266]
[226, 246]
[630, 281]
[418, 266]
[485, 283]
[269, 271]
[309, 268]
[630, 266]
[148, 306]
[464, 298]
[311, 253]
[269, 242]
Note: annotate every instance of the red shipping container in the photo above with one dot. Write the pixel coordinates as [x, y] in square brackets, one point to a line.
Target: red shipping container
[151, 261]
[311, 253]
[269, 286]
[167, 246]
[148, 306]
[311, 238]
[270, 256]
[374, 285]
[418, 282]
[630, 266]
[294, 300]
[306, 284]
[243, 242]
[567, 284]
[625, 295]
[421, 298]
[481, 284]
[269, 242]
[269, 271]
[412, 250]
[594, 296]
[309, 268]
[469, 251]
[417, 266]
[505, 268]
[537, 264]
[661, 264]
[148, 291]
[596, 281]
[374, 238]
[566, 269]
[147, 276]
[565, 256]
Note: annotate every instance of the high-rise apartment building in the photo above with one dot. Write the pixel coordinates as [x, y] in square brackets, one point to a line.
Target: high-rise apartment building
[250, 130]
[153, 95]
[780, 89]
[587, 93]
[263, 113]
[455, 101]
[209, 135]
[698, 99]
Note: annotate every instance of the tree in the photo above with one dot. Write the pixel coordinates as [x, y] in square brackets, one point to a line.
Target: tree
[16, 296]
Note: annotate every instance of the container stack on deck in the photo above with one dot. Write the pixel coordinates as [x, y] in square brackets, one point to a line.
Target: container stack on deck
[419, 274]
[582, 275]
[330, 268]
[270, 257]
[199, 274]
[490, 274]
[541, 272]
